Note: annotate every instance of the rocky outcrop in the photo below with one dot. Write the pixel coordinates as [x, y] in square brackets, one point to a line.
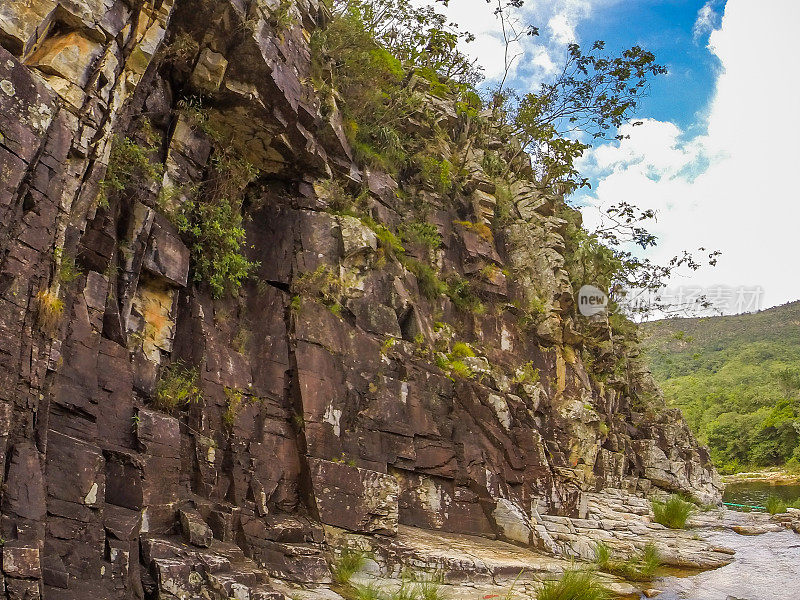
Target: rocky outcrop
[337, 407]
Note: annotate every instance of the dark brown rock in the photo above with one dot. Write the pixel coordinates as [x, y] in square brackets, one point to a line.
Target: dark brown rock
[353, 498]
[21, 561]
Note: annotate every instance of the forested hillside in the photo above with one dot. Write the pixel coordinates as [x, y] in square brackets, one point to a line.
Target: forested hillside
[737, 381]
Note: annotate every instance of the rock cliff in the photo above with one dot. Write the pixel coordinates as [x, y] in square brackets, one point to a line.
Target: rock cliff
[163, 437]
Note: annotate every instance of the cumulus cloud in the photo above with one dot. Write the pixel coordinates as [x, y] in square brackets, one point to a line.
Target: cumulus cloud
[537, 57]
[733, 187]
[707, 20]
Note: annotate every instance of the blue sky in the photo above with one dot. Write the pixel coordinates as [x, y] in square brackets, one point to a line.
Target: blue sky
[666, 29]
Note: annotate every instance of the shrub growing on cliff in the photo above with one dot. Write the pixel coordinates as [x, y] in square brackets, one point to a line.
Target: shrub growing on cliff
[178, 386]
[673, 513]
[422, 233]
[365, 53]
[68, 270]
[213, 221]
[49, 310]
[463, 297]
[526, 373]
[574, 585]
[233, 403]
[129, 164]
[438, 174]
[428, 282]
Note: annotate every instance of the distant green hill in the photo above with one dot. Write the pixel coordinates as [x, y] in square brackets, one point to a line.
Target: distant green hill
[737, 381]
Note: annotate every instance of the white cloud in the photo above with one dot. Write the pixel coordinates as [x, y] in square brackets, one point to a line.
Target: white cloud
[707, 20]
[540, 56]
[732, 188]
[561, 27]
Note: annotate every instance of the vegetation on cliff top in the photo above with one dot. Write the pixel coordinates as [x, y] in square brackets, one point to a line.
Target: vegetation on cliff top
[737, 381]
[367, 62]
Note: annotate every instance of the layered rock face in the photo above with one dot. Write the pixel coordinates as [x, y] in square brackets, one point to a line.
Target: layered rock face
[331, 388]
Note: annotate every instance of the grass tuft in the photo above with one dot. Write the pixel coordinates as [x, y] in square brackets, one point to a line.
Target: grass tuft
[642, 566]
[366, 592]
[574, 585]
[178, 386]
[50, 310]
[430, 590]
[673, 513]
[348, 564]
[775, 505]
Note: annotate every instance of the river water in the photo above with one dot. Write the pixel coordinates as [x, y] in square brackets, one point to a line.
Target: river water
[766, 567]
[757, 492]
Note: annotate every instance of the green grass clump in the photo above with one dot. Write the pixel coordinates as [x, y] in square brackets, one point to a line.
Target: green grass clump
[177, 387]
[642, 566]
[574, 585]
[459, 369]
[461, 350]
[673, 513]
[387, 240]
[366, 592]
[348, 564]
[430, 590]
[428, 282]
[422, 233]
[775, 505]
[414, 588]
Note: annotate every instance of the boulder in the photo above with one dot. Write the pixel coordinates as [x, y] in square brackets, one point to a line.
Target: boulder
[209, 71]
[194, 529]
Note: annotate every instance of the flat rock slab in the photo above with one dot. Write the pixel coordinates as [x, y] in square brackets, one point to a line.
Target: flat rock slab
[356, 499]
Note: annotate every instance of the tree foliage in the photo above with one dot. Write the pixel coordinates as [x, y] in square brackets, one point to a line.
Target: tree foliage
[593, 95]
[418, 36]
[610, 257]
[364, 57]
